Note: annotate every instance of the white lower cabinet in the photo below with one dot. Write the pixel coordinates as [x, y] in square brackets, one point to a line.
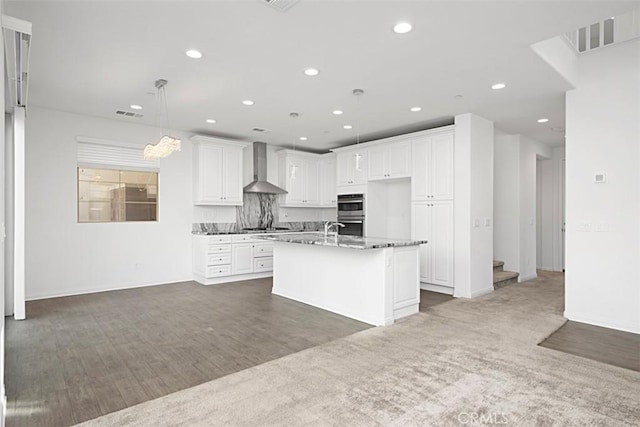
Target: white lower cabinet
[433, 221]
[230, 257]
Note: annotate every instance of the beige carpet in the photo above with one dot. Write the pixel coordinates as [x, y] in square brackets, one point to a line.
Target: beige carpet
[465, 362]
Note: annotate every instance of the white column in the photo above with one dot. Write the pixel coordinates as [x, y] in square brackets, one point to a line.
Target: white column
[473, 217]
[19, 311]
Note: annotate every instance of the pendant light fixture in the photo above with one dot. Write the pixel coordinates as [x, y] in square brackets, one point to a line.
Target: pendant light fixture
[358, 157]
[166, 144]
[293, 168]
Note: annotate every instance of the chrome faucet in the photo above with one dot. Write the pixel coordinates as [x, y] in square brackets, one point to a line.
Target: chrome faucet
[329, 225]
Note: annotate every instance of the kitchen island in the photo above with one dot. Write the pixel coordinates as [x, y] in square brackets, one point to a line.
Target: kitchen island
[376, 281]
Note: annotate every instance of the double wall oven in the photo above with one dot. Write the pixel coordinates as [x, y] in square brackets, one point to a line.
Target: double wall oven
[351, 213]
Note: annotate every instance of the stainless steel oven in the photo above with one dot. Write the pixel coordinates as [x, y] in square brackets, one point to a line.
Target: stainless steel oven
[352, 227]
[351, 213]
[350, 205]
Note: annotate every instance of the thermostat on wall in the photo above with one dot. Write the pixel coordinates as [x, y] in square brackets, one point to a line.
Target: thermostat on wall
[600, 178]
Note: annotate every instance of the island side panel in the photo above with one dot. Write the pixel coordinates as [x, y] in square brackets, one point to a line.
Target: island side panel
[350, 282]
[406, 281]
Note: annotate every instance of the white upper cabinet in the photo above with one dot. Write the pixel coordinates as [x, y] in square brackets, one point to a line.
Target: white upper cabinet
[327, 178]
[298, 173]
[217, 171]
[352, 167]
[433, 167]
[390, 161]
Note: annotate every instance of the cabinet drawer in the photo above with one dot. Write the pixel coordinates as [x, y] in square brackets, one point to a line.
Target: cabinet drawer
[263, 249]
[218, 249]
[219, 270]
[263, 264]
[219, 259]
[217, 239]
[242, 238]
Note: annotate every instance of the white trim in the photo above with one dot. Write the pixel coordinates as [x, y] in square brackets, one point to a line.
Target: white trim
[106, 289]
[436, 288]
[527, 277]
[481, 292]
[398, 138]
[228, 279]
[19, 273]
[605, 323]
[15, 24]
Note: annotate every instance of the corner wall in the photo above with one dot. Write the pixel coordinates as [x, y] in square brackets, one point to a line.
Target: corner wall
[64, 257]
[603, 220]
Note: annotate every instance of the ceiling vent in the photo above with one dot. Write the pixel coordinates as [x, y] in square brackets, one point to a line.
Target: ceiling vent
[128, 114]
[280, 5]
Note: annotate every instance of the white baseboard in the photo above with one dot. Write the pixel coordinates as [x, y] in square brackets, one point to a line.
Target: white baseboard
[105, 289]
[481, 292]
[436, 288]
[605, 323]
[235, 278]
[527, 277]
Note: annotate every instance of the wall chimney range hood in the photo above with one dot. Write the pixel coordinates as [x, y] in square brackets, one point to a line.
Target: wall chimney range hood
[259, 183]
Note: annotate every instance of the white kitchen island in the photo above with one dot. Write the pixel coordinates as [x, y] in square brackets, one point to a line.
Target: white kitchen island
[376, 281]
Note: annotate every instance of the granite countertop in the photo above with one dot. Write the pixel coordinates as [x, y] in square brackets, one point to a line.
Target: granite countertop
[242, 231]
[338, 241]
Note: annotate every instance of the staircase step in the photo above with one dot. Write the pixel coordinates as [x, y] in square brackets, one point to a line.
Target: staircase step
[498, 265]
[504, 278]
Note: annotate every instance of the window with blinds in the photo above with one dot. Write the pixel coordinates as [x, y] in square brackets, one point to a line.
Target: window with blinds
[115, 183]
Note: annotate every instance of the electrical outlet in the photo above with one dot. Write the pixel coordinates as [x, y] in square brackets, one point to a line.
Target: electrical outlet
[584, 226]
[476, 222]
[487, 222]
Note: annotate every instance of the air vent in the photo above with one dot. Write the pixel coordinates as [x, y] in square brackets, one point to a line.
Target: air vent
[259, 130]
[128, 114]
[281, 5]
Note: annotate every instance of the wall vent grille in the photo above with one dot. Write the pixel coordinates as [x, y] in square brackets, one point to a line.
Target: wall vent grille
[128, 114]
[281, 5]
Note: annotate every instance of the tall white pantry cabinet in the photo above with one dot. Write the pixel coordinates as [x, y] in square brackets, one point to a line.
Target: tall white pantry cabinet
[432, 202]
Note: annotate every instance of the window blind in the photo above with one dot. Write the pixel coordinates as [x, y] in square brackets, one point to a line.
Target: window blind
[100, 153]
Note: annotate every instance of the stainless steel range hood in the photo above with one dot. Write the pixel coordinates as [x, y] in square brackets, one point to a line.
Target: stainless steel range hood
[260, 184]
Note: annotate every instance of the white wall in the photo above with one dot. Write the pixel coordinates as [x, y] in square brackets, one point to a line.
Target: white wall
[603, 136]
[558, 159]
[8, 215]
[65, 257]
[473, 211]
[515, 208]
[545, 220]
[2, 221]
[506, 202]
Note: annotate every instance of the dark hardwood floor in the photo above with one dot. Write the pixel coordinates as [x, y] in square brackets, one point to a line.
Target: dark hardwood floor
[429, 299]
[77, 358]
[605, 345]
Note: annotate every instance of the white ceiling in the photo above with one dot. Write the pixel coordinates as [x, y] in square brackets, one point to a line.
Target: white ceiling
[94, 58]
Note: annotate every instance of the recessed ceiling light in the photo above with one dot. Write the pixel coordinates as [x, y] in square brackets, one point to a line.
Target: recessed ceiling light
[311, 72]
[347, 127]
[135, 107]
[498, 86]
[194, 54]
[247, 102]
[402, 28]
[415, 109]
[337, 112]
[211, 121]
[303, 138]
[543, 120]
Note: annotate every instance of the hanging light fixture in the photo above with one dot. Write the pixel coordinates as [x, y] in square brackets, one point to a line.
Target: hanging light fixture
[294, 168]
[358, 157]
[166, 144]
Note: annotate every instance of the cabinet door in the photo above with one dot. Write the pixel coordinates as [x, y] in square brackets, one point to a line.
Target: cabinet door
[210, 173]
[421, 230]
[344, 172]
[442, 243]
[294, 180]
[378, 168]
[242, 258]
[442, 167]
[311, 183]
[399, 160]
[421, 172]
[359, 171]
[328, 182]
[232, 175]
